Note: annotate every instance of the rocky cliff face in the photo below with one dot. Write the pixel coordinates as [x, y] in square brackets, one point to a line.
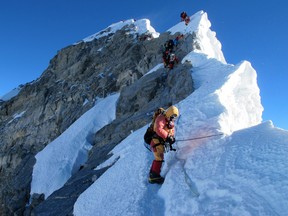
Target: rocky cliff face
[74, 79]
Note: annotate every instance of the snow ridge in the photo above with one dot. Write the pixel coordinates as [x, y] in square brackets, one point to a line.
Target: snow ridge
[200, 26]
[136, 27]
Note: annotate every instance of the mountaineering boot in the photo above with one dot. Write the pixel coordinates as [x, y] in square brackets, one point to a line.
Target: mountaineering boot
[155, 178]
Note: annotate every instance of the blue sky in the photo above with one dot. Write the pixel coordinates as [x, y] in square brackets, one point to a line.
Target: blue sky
[32, 32]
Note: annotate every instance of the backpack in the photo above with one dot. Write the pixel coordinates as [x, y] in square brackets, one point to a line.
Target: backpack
[169, 45]
[150, 130]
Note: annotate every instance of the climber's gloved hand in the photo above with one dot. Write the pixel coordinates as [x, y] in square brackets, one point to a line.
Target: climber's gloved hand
[170, 139]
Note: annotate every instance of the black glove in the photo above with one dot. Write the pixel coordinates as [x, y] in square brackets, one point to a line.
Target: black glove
[170, 140]
[170, 125]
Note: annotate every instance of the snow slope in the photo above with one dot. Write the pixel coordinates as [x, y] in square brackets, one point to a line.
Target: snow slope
[125, 189]
[241, 174]
[60, 158]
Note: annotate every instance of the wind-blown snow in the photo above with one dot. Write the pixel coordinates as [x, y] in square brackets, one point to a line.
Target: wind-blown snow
[226, 95]
[141, 26]
[65, 154]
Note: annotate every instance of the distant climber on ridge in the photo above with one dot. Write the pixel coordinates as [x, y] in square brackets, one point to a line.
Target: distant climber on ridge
[169, 45]
[185, 17]
[176, 40]
[173, 59]
[166, 58]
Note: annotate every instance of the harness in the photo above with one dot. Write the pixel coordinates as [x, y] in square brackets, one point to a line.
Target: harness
[160, 139]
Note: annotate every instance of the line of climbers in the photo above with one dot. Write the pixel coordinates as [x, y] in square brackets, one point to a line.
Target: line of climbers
[168, 56]
[161, 131]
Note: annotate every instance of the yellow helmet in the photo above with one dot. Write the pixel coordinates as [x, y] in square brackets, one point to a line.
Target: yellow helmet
[172, 111]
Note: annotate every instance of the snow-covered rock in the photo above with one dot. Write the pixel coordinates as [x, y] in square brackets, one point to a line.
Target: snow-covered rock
[135, 27]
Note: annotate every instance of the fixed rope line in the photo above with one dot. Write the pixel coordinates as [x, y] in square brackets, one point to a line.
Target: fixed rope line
[202, 137]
